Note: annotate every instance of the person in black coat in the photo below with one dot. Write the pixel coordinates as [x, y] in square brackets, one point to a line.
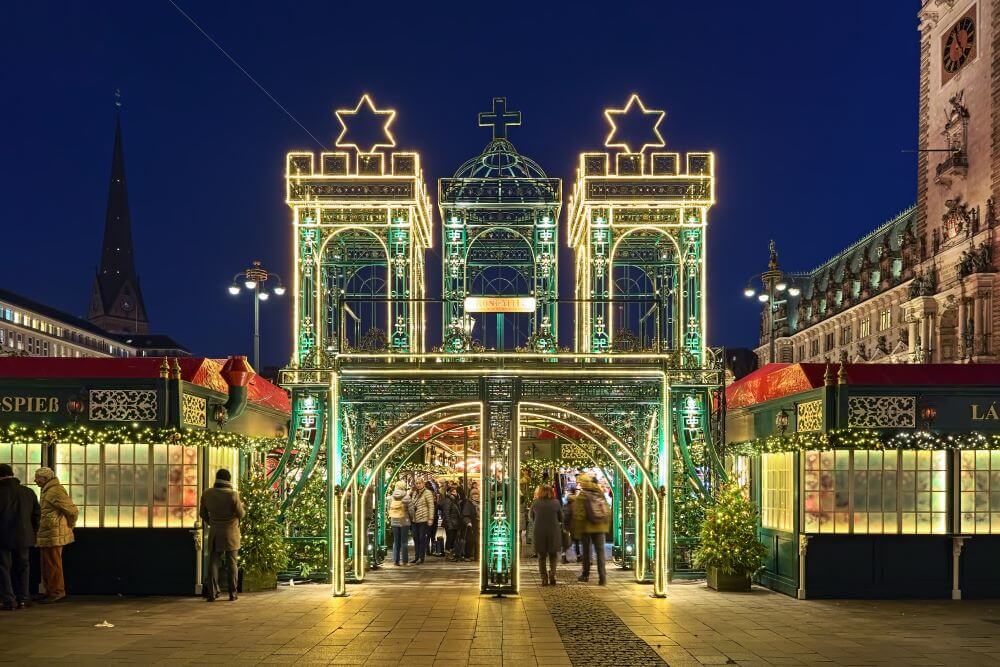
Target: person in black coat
[19, 517]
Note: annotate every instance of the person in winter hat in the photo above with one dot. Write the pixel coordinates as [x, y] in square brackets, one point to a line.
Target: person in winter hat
[399, 519]
[55, 531]
[221, 509]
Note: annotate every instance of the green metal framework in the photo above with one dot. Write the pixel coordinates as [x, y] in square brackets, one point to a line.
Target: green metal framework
[634, 393]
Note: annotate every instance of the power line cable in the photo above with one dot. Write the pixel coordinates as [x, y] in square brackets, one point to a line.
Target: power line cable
[248, 75]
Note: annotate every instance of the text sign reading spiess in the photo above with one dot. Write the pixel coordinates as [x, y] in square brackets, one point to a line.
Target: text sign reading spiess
[499, 304]
[24, 404]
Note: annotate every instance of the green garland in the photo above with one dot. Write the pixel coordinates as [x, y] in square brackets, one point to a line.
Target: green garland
[859, 438]
[135, 433]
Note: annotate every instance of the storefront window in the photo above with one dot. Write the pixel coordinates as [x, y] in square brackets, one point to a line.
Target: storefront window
[142, 485]
[78, 467]
[777, 482]
[827, 494]
[224, 457]
[25, 459]
[980, 489]
[874, 491]
[175, 486]
[923, 491]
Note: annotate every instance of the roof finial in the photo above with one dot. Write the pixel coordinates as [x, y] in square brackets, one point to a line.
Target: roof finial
[118, 98]
[842, 374]
[772, 263]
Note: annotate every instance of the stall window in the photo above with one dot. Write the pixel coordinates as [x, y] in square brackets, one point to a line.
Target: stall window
[224, 457]
[874, 491]
[826, 491]
[923, 491]
[78, 467]
[25, 459]
[175, 486]
[980, 489]
[126, 486]
[777, 481]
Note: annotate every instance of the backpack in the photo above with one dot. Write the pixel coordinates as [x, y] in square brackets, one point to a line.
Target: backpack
[597, 507]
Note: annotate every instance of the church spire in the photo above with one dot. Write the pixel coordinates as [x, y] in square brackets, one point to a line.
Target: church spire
[116, 302]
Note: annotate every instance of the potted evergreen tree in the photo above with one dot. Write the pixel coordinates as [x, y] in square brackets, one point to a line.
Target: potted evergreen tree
[262, 546]
[729, 549]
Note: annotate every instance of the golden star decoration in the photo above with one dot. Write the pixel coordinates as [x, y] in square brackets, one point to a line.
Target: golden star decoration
[365, 107]
[653, 116]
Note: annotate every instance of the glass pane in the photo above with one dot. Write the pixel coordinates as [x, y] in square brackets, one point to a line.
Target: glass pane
[110, 454]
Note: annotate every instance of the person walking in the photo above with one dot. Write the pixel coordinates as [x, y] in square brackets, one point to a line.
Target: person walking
[569, 525]
[451, 518]
[424, 511]
[221, 510]
[546, 512]
[58, 515]
[591, 518]
[399, 519]
[470, 521]
[19, 518]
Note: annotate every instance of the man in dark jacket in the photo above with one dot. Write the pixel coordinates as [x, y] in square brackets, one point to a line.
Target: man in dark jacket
[19, 516]
[222, 509]
[451, 517]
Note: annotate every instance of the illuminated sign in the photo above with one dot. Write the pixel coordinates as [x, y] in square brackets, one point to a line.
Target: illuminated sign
[499, 304]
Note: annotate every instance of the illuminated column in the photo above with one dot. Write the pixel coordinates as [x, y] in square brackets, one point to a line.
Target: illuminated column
[977, 322]
[499, 516]
[962, 324]
[912, 334]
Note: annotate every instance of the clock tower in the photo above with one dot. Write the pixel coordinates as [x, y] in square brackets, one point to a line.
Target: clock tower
[116, 303]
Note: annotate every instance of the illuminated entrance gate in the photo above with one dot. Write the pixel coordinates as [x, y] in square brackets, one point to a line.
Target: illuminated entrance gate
[376, 380]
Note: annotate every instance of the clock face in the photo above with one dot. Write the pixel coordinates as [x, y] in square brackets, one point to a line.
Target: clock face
[959, 45]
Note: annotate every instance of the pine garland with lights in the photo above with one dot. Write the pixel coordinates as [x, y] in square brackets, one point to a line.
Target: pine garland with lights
[861, 438]
[80, 434]
[729, 534]
[262, 544]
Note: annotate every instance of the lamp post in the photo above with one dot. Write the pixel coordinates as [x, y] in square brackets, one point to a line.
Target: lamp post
[253, 279]
[777, 287]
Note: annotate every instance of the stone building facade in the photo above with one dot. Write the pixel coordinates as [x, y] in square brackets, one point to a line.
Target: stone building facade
[921, 288]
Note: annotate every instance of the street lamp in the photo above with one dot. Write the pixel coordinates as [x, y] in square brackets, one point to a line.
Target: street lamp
[777, 287]
[254, 279]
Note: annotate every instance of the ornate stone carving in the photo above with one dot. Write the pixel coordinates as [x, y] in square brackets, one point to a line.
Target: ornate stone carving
[978, 259]
[923, 285]
[957, 222]
[882, 411]
[955, 133]
[123, 405]
[193, 411]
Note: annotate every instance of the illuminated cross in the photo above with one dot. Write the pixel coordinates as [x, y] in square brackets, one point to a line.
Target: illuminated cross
[499, 119]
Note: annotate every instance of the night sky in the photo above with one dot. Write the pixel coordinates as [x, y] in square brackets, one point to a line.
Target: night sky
[808, 107]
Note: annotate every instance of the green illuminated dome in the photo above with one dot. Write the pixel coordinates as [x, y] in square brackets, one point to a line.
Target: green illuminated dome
[500, 160]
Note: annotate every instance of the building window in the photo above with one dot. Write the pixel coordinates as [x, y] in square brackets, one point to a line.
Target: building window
[776, 491]
[871, 491]
[126, 487]
[884, 319]
[846, 335]
[814, 347]
[175, 486]
[828, 342]
[802, 352]
[980, 489]
[866, 327]
[229, 458]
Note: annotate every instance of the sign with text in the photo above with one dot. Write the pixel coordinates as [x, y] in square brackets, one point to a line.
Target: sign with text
[499, 304]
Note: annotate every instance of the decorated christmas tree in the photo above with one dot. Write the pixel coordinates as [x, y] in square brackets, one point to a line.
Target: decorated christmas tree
[306, 523]
[729, 534]
[262, 547]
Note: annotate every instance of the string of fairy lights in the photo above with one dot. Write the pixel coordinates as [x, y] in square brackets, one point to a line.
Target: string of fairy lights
[859, 438]
[79, 434]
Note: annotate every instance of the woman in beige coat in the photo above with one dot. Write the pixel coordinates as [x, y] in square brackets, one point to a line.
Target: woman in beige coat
[55, 530]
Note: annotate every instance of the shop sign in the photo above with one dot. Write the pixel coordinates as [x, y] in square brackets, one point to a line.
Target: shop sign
[29, 404]
[499, 304]
[985, 412]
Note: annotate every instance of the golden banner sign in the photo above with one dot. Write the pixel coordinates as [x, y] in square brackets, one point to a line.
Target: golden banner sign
[499, 304]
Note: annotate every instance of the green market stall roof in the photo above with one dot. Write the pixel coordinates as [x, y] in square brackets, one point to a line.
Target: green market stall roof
[198, 371]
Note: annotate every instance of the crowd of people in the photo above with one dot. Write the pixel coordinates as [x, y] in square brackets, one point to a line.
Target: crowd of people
[556, 524]
[419, 511]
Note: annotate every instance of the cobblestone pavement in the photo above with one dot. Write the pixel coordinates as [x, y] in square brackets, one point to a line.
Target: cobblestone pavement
[432, 615]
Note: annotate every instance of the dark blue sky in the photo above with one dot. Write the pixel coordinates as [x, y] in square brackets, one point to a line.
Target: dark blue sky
[807, 106]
